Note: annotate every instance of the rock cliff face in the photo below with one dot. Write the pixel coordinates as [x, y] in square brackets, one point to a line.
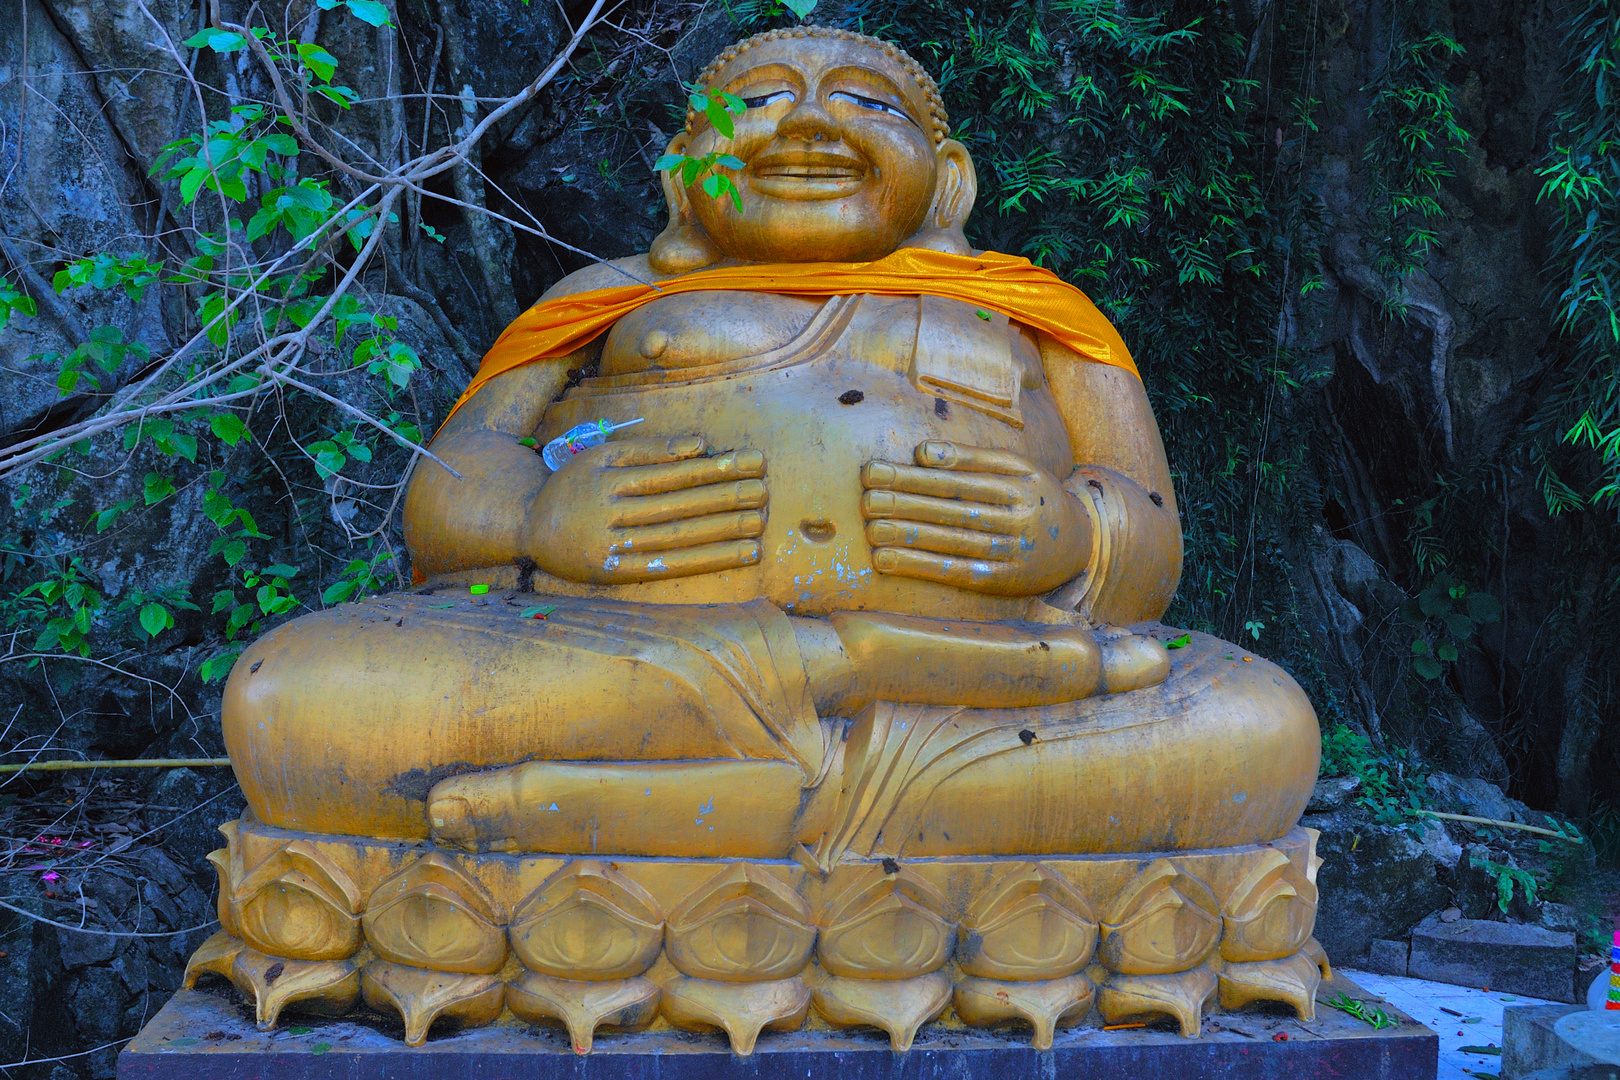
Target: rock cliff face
[1437, 395]
[1420, 388]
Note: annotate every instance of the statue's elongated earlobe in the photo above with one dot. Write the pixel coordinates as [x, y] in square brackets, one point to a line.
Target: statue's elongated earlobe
[954, 194]
[683, 245]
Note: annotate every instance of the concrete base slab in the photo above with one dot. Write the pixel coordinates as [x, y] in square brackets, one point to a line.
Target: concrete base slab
[208, 1035]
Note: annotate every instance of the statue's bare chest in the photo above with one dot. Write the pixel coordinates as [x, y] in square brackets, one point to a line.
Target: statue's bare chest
[821, 388]
[692, 330]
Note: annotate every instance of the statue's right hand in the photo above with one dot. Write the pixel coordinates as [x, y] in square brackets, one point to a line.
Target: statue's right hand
[648, 508]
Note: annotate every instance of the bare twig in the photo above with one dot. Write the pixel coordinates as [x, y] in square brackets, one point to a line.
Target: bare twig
[64, 1057]
[107, 933]
[361, 415]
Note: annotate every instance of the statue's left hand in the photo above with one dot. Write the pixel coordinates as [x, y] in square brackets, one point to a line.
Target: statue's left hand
[980, 519]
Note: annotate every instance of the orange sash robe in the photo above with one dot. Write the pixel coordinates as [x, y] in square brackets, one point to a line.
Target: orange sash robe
[1010, 284]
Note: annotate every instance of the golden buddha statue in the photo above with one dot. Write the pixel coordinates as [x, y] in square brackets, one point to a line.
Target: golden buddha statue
[833, 684]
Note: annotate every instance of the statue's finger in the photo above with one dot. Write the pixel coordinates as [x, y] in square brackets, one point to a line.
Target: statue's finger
[651, 566]
[690, 503]
[979, 575]
[937, 454]
[694, 532]
[651, 450]
[980, 517]
[886, 476]
[680, 475]
[942, 540]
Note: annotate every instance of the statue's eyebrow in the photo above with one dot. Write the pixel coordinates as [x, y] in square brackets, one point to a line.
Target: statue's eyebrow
[778, 71]
[873, 75]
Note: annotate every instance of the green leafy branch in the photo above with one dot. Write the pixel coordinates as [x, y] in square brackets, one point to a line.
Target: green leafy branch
[1365, 1011]
[13, 300]
[265, 280]
[1582, 417]
[719, 107]
[361, 577]
[1415, 136]
[1392, 786]
[1506, 878]
[1447, 615]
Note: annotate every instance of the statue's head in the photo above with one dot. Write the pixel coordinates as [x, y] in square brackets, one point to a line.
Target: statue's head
[845, 157]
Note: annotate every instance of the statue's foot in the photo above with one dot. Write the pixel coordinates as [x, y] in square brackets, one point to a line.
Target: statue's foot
[1131, 661]
[916, 661]
[697, 809]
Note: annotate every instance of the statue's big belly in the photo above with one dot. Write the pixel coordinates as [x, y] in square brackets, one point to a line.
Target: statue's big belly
[815, 555]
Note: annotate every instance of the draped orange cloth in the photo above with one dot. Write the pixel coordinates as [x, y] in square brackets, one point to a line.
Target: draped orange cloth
[1010, 284]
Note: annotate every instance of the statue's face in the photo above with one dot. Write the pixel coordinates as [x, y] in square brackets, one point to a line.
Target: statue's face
[839, 161]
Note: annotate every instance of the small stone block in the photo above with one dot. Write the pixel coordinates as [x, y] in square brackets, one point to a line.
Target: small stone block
[1387, 957]
[1528, 1042]
[1507, 957]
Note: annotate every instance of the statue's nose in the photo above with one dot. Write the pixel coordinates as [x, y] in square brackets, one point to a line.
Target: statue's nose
[809, 121]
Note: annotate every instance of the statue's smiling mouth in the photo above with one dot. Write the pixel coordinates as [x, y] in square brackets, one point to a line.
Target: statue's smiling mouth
[810, 172]
[814, 174]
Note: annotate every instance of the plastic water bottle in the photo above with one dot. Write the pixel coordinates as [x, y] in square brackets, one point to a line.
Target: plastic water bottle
[559, 451]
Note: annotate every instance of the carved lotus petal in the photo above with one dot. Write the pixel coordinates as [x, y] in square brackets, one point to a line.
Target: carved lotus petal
[1182, 995]
[588, 922]
[1045, 1005]
[1292, 980]
[213, 957]
[1031, 925]
[228, 865]
[297, 904]
[618, 1004]
[1271, 913]
[421, 997]
[886, 926]
[897, 1007]
[742, 926]
[322, 987]
[1319, 957]
[227, 913]
[741, 1010]
[435, 915]
[1163, 921]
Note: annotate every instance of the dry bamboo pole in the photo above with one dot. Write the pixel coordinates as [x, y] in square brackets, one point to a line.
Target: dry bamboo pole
[117, 763]
[1503, 825]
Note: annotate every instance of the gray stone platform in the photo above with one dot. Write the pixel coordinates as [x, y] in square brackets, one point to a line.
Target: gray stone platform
[209, 1035]
[1507, 957]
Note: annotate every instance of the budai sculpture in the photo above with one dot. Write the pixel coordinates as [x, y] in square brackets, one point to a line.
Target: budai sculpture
[832, 688]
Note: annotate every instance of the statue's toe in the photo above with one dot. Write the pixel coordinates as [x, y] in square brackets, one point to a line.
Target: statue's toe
[451, 821]
[1131, 661]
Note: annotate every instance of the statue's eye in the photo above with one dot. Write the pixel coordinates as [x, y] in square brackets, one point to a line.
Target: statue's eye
[872, 104]
[768, 99]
